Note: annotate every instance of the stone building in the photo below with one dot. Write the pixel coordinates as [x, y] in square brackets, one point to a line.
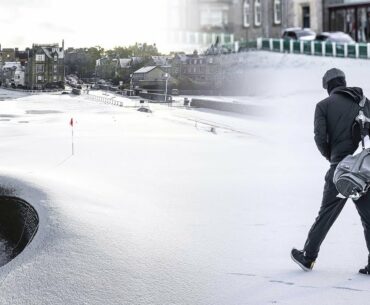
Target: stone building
[7, 55]
[198, 68]
[250, 19]
[304, 14]
[12, 74]
[236, 19]
[152, 77]
[105, 68]
[45, 67]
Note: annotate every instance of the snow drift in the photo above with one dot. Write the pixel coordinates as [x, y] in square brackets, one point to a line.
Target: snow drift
[156, 209]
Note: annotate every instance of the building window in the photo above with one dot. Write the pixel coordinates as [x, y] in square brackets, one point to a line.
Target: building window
[55, 68]
[306, 16]
[55, 78]
[246, 13]
[55, 58]
[40, 78]
[257, 12]
[40, 57]
[277, 11]
[39, 68]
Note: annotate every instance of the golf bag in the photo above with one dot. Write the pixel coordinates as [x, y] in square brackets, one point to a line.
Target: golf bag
[352, 175]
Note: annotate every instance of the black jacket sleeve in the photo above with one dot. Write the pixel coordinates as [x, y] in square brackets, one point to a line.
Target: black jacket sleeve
[320, 130]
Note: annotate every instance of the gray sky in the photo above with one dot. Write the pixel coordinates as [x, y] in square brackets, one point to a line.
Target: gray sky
[107, 23]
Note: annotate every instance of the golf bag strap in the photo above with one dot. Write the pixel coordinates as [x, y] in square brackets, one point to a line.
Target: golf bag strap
[362, 119]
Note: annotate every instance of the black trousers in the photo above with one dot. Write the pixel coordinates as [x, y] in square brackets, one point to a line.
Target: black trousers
[331, 207]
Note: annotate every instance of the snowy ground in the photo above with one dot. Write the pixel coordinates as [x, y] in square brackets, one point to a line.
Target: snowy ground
[156, 209]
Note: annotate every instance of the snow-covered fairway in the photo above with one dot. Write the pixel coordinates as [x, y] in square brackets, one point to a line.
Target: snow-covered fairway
[155, 209]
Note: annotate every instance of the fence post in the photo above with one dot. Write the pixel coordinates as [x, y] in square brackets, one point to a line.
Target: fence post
[281, 45]
[214, 37]
[291, 46]
[259, 43]
[323, 48]
[232, 38]
[222, 37]
[357, 50]
[236, 46]
[334, 49]
[312, 47]
[345, 50]
[271, 44]
[302, 46]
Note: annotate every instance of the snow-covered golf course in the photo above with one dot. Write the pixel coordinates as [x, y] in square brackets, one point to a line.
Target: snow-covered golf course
[156, 209]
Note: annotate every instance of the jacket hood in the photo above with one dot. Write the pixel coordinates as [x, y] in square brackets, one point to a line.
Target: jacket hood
[355, 93]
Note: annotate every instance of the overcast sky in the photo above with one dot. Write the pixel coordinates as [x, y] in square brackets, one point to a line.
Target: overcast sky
[82, 23]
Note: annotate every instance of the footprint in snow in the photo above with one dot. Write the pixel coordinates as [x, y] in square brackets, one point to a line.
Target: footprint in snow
[243, 274]
[346, 288]
[281, 282]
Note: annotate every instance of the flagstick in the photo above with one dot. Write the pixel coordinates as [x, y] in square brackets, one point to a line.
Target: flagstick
[73, 148]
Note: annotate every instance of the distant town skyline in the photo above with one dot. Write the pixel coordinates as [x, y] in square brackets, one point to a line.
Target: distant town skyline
[82, 23]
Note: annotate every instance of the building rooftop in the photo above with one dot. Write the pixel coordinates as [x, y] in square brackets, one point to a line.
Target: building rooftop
[145, 69]
[124, 62]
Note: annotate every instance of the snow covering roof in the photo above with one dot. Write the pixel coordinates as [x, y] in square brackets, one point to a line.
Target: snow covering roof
[145, 69]
[137, 60]
[11, 65]
[50, 51]
[159, 60]
[182, 57]
[124, 62]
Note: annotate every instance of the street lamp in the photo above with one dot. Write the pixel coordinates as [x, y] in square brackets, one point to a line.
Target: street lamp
[166, 76]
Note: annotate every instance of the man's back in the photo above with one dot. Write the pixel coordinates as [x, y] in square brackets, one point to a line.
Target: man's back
[335, 136]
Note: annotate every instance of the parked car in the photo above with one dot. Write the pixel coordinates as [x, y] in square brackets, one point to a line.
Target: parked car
[76, 91]
[144, 109]
[299, 34]
[338, 37]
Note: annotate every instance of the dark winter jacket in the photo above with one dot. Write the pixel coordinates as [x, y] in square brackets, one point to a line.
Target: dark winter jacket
[335, 133]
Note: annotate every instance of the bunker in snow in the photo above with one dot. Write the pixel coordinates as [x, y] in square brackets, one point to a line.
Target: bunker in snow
[18, 225]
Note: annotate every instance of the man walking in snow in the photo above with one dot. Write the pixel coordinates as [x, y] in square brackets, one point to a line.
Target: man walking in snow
[336, 136]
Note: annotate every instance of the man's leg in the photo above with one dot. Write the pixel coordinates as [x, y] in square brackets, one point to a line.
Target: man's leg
[363, 208]
[331, 207]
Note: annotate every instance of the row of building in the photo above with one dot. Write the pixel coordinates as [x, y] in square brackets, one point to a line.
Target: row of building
[238, 20]
[186, 70]
[38, 67]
